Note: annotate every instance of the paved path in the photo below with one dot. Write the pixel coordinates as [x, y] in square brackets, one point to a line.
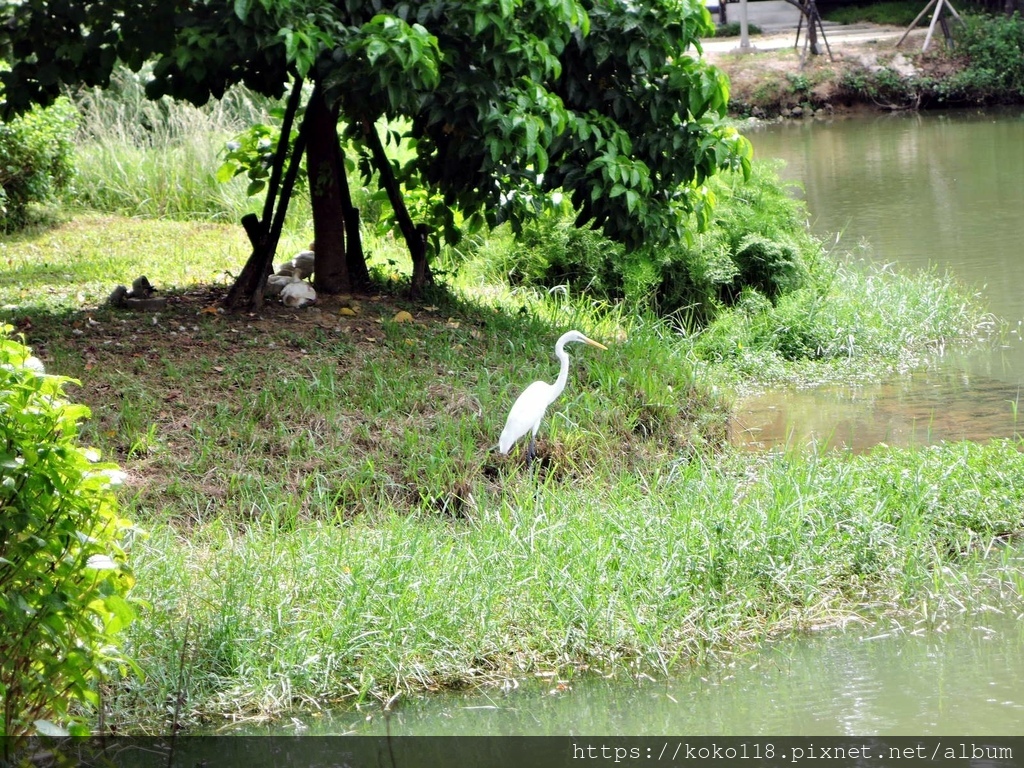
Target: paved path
[852, 33]
[778, 21]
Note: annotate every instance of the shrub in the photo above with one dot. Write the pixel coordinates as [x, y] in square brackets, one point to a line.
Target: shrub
[757, 240]
[732, 29]
[36, 160]
[899, 13]
[994, 49]
[63, 577]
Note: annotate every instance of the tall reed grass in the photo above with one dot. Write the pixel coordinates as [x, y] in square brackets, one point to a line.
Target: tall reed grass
[139, 157]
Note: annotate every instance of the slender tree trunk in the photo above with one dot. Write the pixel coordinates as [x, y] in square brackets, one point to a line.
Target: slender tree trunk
[415, 237]
[809, 10]
[357, 270]
[326, 174]
[265, 234]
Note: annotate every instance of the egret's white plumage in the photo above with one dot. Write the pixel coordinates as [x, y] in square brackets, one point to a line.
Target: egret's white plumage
[529, 408]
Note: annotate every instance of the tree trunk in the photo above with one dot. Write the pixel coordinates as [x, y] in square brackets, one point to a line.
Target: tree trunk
[357, 270]
[809, 11]
[812, 28]
[264, 234]
[326, 175]
[415, 237]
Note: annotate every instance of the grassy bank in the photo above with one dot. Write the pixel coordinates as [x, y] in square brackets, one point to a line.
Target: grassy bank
[621, 572]
[326, 522]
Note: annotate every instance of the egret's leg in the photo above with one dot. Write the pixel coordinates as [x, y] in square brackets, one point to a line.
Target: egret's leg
[531, 451]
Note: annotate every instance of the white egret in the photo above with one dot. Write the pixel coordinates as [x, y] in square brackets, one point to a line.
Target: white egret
[529, 408]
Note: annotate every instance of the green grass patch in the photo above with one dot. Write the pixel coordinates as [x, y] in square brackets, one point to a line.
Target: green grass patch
[855, 321]
[898, 13]
[327, 522]
[648, 570]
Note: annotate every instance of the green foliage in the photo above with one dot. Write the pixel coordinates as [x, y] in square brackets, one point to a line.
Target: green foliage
[732, 29]
[252, 152]
[994, 49]
[984, 67]
[756, 240]
[844, 320]
[898, 13]
[591, 101]
[36, 160]
[63, 572]
[888, 86]
[507, 103]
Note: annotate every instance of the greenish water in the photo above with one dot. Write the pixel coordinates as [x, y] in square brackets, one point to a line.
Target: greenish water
[963, 675]
[929, 191]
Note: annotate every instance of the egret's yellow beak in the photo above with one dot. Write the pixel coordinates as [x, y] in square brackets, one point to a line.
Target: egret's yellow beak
[593, 343]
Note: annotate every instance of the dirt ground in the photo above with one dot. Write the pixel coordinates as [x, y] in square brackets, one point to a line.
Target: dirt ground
[865, 70]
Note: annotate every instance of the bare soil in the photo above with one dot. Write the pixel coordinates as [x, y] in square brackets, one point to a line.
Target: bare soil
[863, 72]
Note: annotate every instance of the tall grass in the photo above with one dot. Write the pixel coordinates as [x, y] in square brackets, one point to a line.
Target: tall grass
[139, 157]
[855, 320]
[641, 570]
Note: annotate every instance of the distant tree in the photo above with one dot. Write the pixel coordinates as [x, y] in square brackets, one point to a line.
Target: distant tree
[505, 102]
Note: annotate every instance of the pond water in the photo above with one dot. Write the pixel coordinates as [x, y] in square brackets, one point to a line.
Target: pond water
[926, 191]
[963, 675]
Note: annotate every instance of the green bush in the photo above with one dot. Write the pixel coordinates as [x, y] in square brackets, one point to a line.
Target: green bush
[36, 160]
[63, 576]
[898, 13]
[994, 49]
[732, 29]
[757, 239]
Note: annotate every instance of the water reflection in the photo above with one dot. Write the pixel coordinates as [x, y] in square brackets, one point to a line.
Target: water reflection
[966, 676]
[945, 402]
[921, 191]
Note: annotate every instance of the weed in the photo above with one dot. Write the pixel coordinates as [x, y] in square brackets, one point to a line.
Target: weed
[898, 13]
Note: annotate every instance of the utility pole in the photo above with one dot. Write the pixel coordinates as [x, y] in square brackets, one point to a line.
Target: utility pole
[744, 27]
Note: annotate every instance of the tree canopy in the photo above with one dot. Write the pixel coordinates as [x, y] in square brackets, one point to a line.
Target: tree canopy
[504, 102]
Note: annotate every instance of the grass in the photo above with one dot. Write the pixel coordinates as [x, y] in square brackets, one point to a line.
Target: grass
[898, 13]
[639, 572]
[326, 522]
[855, 321]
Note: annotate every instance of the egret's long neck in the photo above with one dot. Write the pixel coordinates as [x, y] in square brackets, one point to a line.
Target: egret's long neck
[563, 372]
